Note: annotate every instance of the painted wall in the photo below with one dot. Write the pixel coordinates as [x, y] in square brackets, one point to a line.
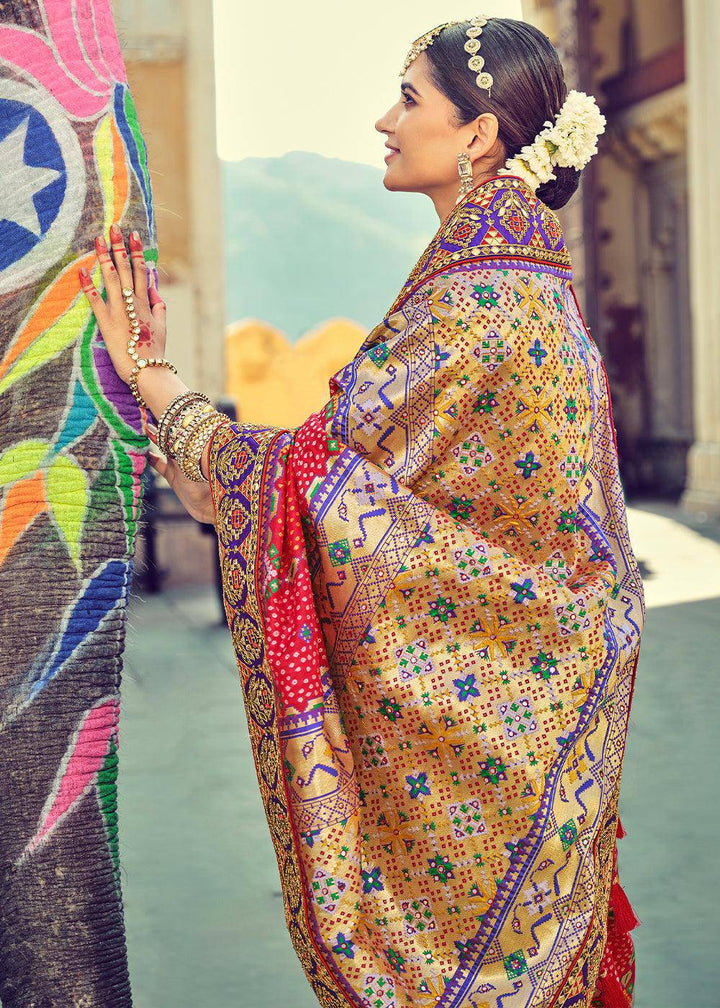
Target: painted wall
[72, 161]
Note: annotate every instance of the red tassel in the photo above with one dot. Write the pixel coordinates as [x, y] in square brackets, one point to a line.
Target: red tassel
[620, 831]
[624, 918]
[610, 993]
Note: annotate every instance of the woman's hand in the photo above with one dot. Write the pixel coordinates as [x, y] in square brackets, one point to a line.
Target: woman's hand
[120, 270]
[194, 496]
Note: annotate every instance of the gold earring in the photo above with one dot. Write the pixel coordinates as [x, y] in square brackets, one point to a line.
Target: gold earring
[466, 176]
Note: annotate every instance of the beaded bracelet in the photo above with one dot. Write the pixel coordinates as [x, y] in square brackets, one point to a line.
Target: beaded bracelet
[195, 446]
[140, 362]
[143, 362]
[172, 411]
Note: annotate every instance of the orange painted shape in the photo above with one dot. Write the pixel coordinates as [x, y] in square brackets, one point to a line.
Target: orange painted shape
[120, 173]
[24, 501]
[54, 302]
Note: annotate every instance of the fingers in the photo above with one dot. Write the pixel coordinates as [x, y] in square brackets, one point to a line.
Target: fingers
[109, 273]
[139, 271]
[120, 256]
[159, 464]
[157, 305]
[93, 295]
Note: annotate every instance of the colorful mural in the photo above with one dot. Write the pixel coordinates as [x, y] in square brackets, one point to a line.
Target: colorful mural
[72, 450]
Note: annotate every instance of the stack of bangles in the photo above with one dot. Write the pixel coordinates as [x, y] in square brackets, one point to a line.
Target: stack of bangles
[185, 428]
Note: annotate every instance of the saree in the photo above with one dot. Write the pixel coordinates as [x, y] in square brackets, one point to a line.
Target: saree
[436, 613]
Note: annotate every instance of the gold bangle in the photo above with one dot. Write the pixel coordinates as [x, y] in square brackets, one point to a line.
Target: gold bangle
[187, 420]
[172, 426]
[195, 446]
[172, 411]
[144, 362]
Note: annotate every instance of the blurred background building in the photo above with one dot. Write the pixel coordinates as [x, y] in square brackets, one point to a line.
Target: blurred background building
[643, 230]
[326, 233]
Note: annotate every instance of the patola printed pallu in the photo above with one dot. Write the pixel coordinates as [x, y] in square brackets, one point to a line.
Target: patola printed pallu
[436, 613]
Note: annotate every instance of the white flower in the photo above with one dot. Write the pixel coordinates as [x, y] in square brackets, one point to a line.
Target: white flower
[514, 166]
[537, 157]
[532, 164]
[575, 131]
[569, 142]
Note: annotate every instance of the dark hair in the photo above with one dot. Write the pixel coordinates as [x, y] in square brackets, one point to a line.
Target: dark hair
[528, 88]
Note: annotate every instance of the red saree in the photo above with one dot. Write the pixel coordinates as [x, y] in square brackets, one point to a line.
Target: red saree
[436, 613]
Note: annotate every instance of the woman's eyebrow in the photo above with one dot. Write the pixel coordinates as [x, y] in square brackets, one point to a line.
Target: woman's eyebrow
[408, 87]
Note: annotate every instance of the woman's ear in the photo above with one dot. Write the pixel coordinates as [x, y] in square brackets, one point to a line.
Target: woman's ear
[486, 134]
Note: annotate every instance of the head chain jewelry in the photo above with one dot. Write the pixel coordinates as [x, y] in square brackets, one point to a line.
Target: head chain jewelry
[140, 362]
[475, 63]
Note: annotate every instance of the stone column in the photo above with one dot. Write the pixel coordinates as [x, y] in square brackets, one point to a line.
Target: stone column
[702, 29]
[205, 224]
[169, 48]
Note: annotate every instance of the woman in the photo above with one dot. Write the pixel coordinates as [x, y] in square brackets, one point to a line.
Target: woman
[432, 596]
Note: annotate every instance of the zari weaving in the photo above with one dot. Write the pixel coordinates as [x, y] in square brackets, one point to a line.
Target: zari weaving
[436, 613]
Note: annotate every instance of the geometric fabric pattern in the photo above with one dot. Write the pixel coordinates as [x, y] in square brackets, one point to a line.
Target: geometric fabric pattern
[446, 733]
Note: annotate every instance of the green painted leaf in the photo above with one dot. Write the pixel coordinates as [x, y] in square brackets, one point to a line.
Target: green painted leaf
[67, 494]
[126, 482]
[60, 335]
[21, 460]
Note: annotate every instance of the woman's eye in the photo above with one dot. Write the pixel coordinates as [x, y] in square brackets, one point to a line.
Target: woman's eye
[407, 100]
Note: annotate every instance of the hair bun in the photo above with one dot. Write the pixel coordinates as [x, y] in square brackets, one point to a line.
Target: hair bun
[556, 193]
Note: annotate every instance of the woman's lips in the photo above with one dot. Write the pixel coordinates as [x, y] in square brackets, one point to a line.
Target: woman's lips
[390, 154]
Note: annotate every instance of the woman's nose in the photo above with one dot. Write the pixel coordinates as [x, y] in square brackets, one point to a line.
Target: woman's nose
[380, 125]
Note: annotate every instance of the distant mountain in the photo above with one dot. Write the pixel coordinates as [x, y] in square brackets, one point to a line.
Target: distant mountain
[309, 238]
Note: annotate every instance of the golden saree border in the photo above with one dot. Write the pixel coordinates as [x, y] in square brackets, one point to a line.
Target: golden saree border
[239, 459]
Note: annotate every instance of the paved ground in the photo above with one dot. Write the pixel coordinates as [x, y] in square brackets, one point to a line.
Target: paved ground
[204, 914]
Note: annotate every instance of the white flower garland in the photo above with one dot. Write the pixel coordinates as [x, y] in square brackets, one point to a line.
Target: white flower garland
[569, 142]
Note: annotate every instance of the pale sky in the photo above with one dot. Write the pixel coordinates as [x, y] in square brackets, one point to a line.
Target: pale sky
[316, 76]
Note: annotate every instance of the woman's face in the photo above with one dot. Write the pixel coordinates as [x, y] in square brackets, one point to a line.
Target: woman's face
[420, 125]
